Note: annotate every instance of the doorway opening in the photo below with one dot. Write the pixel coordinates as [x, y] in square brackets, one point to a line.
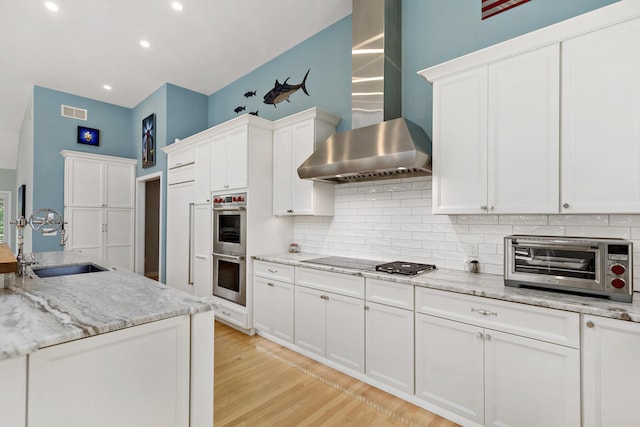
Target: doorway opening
[148, 226]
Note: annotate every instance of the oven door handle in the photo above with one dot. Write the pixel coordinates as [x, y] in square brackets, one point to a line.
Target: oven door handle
[236, 208]
[233, 257]
[563, 244]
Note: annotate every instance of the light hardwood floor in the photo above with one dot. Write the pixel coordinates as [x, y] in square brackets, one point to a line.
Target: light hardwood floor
[260, 383]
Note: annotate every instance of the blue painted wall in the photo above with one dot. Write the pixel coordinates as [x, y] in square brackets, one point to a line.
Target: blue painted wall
[53, 133]
[328, 56]
[433, 31]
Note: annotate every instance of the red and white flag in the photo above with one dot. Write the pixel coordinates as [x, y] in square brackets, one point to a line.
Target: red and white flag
[493, 7]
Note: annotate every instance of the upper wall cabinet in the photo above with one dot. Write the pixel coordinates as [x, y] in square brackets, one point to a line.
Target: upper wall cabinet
[547, 122]
[601, 121]
[237, 148]
[98, 181]
[294, 139]
[496, 137]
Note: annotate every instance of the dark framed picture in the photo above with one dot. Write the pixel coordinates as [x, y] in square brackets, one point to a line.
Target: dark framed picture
[22, 209]
[149, 141]
[88, 136]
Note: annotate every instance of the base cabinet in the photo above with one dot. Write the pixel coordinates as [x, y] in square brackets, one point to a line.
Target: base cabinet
[610, 372]
[273, 308]
[494, 378]
[389, 346]
[133, 377]
[330, 325]
[13, 391]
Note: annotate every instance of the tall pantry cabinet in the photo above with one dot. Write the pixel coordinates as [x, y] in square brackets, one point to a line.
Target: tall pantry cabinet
[99, 193]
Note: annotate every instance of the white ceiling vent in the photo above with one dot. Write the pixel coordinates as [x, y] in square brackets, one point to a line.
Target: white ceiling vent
[73, 112]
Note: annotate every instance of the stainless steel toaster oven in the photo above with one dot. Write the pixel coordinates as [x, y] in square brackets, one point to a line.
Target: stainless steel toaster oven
[590, 266]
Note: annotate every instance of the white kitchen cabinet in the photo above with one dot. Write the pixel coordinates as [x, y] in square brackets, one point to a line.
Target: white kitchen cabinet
[13, 391]
[294, 140]
[330, 325]
[496, 138]
[202, 171]
[389, 345]
[98, 201]
[491, 370]
[523, 172]
[601, 121]
[93, 180]
[180, 222]
[273, 308]
[202, 261]
[610, 372]
[273, 298]
[389, 338]
[229, 159]
[143, 379]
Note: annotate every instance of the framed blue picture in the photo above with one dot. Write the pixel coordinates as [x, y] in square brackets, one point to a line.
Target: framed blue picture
[149, 141]
[88, 136]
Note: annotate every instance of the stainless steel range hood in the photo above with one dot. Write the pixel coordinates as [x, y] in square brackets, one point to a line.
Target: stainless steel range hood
[382, 144]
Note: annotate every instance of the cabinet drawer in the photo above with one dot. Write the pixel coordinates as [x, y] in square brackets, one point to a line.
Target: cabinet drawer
[344, 284]
[181, 158]
[545, 324]
[232, 315]
[271, 270]
[181, 174]
[389, 293]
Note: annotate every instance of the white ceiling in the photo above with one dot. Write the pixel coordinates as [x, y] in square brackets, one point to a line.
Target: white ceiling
[90, 43]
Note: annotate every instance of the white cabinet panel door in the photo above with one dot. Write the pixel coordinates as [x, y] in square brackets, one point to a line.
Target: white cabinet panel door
[389, 346]
[282, 319]
[450, 365]
[460, 143]
[524, 126]
[345, 331]
[85, 186]
[202, 261]
[310, 324]
[119, 189]
[85, 230]
[302, 190]
[601, 121]
[13, 391]
[119, 238]
[282, 182]
[610, 372]
[203, 171]
[132, 377]
[530, 383]
[179, 244]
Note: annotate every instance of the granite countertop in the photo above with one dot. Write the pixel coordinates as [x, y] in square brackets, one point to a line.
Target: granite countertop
[37, 313]
[483, 285]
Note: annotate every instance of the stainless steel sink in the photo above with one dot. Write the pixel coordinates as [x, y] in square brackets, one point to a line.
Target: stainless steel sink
[67, 270]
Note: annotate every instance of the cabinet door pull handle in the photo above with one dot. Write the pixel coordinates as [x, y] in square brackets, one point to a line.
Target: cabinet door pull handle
[487, 337]
[272, 271]
[484, 312]
[565, 205]
[325, 297]
[366, 307]
[483, 207]
[480, 335]
[270, 284]
[590, 324]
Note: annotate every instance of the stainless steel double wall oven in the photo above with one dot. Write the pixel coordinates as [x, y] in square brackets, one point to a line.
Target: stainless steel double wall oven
[230, 247]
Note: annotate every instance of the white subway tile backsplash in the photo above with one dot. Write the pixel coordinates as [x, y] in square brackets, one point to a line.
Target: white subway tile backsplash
[391, 220]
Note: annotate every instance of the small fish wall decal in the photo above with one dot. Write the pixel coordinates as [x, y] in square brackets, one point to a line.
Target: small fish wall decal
[282, 91]
[238, 109]
[253, 113]
[250, 94]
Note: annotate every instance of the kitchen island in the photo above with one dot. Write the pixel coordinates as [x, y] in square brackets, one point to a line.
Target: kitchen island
[102, 349]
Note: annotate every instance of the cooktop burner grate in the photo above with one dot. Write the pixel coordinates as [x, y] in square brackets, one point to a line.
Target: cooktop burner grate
[406, 268]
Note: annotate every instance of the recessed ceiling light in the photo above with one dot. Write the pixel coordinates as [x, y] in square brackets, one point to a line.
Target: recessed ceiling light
[51, 6]
[106, 87]
[145, 43]
[177, 6]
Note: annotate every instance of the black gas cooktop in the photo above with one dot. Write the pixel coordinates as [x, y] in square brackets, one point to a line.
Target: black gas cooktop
[396, 267]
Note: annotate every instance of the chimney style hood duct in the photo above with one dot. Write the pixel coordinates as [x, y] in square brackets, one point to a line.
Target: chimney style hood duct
[382, 144]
